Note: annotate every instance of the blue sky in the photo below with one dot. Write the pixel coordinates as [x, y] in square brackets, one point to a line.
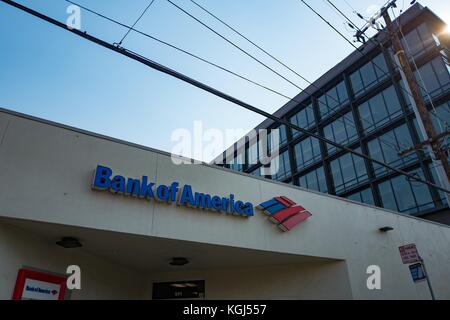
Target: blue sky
[52, 74]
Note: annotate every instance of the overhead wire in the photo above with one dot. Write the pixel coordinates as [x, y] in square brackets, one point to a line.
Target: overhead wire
[207, 88]
[349, 121]
[359, 50]
[408, 52]
[137, 20]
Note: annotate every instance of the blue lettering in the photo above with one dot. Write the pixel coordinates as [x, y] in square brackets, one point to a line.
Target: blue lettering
[248, 209]
[133, 187]
[225, 204]
[173, 191]
[231, 203]
[101, 178]
[146, 189]
[162, 193]
[216, 203]
[143, 189]
[186, 197]
[238, 207]
[202, 200]
[118, 184]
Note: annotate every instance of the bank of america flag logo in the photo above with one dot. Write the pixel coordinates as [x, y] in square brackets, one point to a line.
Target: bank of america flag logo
[284, 212]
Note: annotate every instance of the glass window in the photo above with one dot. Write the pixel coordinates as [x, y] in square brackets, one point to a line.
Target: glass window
[436, 78]
[256, 172]
[348, 171]
[369, 74]
[386, 148]
[437, 181]
[253, 154]
[365, 196]
[283, 134]
[237, 163]
[333, 99]
[271, 141]
[412, 43]
[405, 196]
[418, 41]
[314, 180]
[380, 110]
[307, 152]
[342, 130]
[304, 119]
[284, 168]
[357, 83]
[441, 118]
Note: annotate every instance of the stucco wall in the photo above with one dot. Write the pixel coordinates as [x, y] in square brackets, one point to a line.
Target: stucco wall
[301, 281]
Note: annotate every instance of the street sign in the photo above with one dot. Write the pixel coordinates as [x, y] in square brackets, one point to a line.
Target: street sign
[409, 253]
[417, 272]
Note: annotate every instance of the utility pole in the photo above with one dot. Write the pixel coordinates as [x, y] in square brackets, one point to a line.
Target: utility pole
[432, 141]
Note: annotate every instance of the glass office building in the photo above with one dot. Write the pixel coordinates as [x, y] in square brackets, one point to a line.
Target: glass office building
[361, 103]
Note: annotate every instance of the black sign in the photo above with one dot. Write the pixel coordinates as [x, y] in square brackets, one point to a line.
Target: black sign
[179, 290]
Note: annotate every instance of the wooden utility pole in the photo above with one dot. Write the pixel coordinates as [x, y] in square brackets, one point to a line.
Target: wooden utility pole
[432, 141]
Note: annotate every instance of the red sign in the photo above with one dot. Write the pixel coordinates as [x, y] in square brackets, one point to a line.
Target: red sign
[409, 253]
[33, 285]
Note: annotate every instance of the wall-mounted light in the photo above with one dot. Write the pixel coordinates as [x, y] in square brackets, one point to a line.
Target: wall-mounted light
[69, 243]
[386, 229]
[178, 261]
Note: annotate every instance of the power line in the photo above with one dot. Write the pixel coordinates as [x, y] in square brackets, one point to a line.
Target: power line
[137, 20]
[393, 145]
[328, 23]
[350, 122]
[233, 44]
[359, 50]
[207, 88]
[342, 13]
[183, 51]
[410, 53]
[253, 43]
[260, 48]
[350, 6]
[376, 42]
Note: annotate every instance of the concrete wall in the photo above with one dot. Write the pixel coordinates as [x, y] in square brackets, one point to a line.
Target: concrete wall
[100, 278]
[301, 281]
[45, 174]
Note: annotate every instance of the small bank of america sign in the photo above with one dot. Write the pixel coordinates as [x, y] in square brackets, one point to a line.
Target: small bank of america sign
[284, 212]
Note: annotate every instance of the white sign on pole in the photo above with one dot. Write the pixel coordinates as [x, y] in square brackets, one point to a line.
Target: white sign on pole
[409, 253]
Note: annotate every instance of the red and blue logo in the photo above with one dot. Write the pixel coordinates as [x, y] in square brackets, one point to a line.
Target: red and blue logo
[284, 212]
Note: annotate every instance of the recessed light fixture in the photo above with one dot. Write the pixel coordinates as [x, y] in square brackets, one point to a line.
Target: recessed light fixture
[178, 261]
[191, 285]
[69, 243]
[386, 229]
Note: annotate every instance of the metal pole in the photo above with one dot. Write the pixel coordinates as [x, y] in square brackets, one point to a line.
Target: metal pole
[428, 279]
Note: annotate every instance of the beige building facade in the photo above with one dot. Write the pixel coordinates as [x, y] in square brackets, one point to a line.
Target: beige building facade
[46, 175]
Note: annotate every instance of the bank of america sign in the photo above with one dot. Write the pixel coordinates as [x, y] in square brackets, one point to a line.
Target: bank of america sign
[284, 212]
